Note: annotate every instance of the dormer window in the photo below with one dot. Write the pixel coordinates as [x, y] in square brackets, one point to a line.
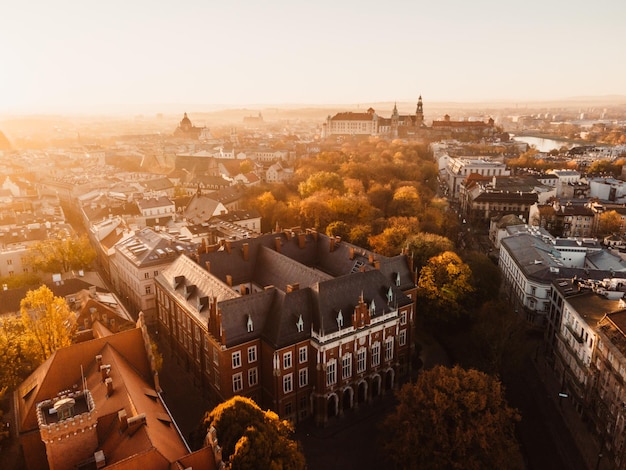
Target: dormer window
[390, 295]
[372, 308]
[250, 325]
[300, 324]
[340, 319]
[397, 279]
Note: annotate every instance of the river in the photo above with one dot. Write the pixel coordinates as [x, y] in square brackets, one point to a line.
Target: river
[541, 144]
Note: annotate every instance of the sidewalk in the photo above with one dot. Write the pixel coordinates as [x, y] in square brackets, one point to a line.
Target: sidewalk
[587, 442]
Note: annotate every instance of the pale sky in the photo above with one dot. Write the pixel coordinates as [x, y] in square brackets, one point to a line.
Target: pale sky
[66, 55]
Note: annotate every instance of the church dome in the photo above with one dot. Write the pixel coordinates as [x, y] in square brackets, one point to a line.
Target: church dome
[185, 123]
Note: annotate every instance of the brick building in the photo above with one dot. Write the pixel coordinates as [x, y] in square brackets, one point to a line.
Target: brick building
[300, 322]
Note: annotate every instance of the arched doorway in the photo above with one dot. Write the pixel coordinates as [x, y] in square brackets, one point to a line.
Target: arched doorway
[332, 406]
[389, 379]
[346, 403]
[362, 392]
[375, 386]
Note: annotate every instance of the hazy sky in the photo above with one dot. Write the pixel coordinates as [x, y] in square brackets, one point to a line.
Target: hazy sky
[64, 55]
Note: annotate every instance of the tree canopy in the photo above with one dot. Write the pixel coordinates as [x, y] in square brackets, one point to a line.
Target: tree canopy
[252, 438]
[444, 285]
[59, 255]
[47, 321]
[453, 418]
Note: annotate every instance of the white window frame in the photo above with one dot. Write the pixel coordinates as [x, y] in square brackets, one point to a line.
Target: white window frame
[331, 372]
[287, 360]
[303, 354]
[252, 354]
[361, 363]
[237, 382]
[346, 366]
[303, 377]
[376, 354]
[236, 359]
[287, 383]
[253, 376]
[402, 338]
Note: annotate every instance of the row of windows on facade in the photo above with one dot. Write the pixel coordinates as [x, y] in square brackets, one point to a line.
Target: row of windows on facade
[303, 374]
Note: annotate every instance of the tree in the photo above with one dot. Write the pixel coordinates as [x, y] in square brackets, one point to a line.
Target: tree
[425, 245]
[47, 321]
[59, 255]
[17, 352]
[609, 222]
[486, 277]
[454, 419]
[252, 438]
[322, 180]
[444, 285]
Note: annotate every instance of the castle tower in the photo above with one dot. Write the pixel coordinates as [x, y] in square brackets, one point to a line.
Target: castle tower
[395, 118]
[67, 425]
[419, 113]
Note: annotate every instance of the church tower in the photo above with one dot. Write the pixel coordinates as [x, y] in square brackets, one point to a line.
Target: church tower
[419, 113]
[395, 120]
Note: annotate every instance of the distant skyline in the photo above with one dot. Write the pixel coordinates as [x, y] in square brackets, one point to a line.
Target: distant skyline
[68, 56]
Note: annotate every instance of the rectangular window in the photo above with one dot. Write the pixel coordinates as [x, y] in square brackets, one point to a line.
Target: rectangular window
[402, 337]
[156, 273]
[403, 318]
[346, 366]
[287, 360]
[216, 357]
[302, 355]
[361, 360]
[148, 290]
[288, 383]
[9, 262]
[252, 354]
[236, 359]
[216, 374]
[389, 349]
[303, 377]
[375, 354]
[146, 275]
[253, 377]
[331, 373]
[237, 383]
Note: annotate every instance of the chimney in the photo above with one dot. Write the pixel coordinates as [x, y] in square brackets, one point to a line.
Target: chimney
[104, 371]
[370, 258]
[109, 384]
[351, 253]
[332, 244]
[99, 459]
[301, 240]
[229, 280]
[293, 287]
[376, 264]
[277, 244]
[99, 360]
[246, 251]
[136, 422]
[123, 419]
[227, 245]
[207, 264]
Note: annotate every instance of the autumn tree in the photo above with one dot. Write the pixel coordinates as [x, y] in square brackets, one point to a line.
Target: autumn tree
[609, 222]
[443, 286]
[424, 246]
[392, 239]
[17, 352]
[59, 255]
[4, 433]
[322, 180]
[47, 320]
[252, 438]
[454, 419]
